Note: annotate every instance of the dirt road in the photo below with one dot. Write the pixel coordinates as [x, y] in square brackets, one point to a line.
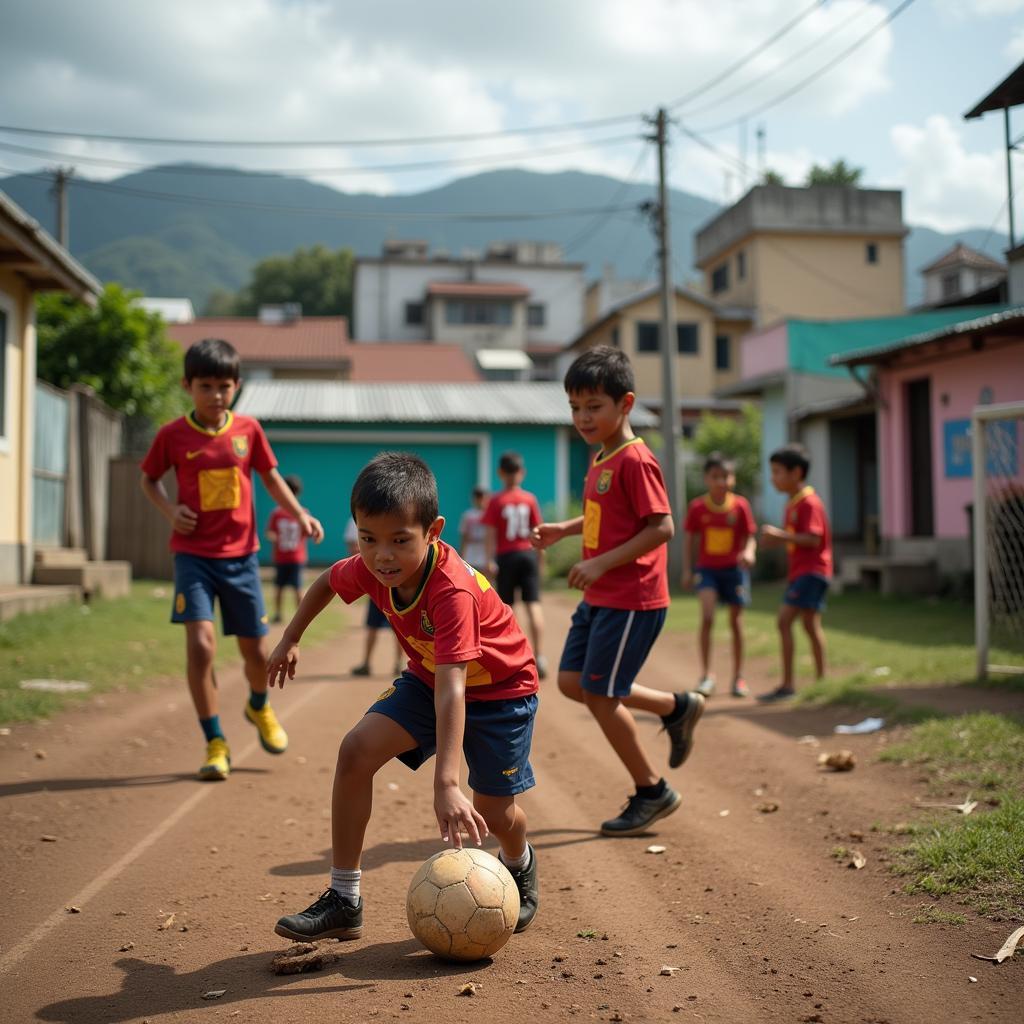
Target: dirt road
[765, 924]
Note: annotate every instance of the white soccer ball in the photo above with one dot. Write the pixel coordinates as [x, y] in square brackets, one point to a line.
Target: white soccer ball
[463, 904]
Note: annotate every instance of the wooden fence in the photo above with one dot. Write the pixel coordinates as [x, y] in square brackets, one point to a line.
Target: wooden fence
[137, 532]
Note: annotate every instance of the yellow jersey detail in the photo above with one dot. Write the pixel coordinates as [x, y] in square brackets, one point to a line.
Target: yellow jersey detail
[604, 481]
[605, 456]
[179, 604]
[718, 540]
[193, 455]
[591, 524]
[482, 581]
[240, 443]
[191, 420]
[385, 694]
[508, 772]
[219, 489]
[476, 674]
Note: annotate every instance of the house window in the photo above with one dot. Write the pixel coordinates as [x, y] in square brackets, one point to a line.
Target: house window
[615, 336]
[648, 336]
[478, 313]
[413, 314]
[723, 354]
[741, 265]
[950, 285]
[536, 314]
[872, 252]
[720, 279]
[647, 332]
[686, 339]
[3, 373]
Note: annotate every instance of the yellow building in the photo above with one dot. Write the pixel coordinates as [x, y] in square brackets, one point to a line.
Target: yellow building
[707, 339]
[823, 252]
[30, 261]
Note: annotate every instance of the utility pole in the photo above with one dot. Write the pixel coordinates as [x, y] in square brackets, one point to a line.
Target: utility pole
[761, 145]
[61, 177]
[669, 361]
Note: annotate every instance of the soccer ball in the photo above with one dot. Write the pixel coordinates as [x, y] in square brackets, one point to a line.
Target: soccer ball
[463, 904]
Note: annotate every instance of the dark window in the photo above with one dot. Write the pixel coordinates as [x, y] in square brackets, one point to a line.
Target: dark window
[872, 252]
[723, 353]
[647, 332]
[536, 314]
[741, 265]
[3, 373]
[689, 430]
[686, 339]
[413, 313]
[483, 313]
[720, 278]
[950, 285]
[615, 335]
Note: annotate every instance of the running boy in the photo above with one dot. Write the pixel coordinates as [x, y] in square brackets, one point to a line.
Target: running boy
[808, 539]
[721, 542]
[213, 536]
[284, 531]
[510, 517]
[625, 524]
[471, 685]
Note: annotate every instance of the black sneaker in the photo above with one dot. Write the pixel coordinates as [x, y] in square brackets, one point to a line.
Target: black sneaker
[639, 814]
[331, 917]
[680, 730]
[360, 670]
[529, 892]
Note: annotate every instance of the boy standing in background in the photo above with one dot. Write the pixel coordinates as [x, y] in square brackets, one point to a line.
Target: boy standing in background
[290, 555]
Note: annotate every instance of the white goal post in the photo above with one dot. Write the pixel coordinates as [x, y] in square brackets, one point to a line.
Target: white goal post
[997, 444]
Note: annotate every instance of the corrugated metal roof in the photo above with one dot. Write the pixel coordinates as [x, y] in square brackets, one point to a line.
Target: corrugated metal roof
[307, 401]
[880, 352]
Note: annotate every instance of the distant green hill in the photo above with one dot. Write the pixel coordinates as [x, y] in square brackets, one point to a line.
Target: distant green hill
[172, 231]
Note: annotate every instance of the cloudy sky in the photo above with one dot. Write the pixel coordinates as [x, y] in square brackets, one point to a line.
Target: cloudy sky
[280, 70]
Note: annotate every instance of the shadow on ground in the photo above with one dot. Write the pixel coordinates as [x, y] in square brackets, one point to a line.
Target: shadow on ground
[114, 782]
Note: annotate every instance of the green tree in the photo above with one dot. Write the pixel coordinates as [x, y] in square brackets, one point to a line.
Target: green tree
[840, 173]
[318, 278]
[771, 177]
[117, 348]
[738, 438]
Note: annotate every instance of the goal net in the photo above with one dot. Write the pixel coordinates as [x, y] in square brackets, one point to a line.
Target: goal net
[997, 433]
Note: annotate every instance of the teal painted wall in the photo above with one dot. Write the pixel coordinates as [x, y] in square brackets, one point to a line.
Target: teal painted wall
[774, 434]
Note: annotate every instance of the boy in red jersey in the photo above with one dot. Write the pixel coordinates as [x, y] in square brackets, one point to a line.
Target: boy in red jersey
[510, 517]
[213, 536]
[808, 540]
[721, 542]
[625, 524]
[471, 684]
[284, 531]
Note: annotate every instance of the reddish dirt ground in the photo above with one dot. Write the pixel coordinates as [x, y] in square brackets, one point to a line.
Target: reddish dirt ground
[763, 922]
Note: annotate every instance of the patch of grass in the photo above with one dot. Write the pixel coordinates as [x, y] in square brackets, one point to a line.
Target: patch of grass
[932, 915]
[840, 852]
[124, 643]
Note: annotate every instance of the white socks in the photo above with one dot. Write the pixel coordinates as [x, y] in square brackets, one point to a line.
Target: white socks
[516, 863]
[346, 883]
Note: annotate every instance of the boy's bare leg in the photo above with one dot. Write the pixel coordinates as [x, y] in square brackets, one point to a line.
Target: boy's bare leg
[535, 616]
[708, 600]
[369, 745]
[506, 821]
[787, 615]
[278, 599]
[736, 622]
[643, 698]
[812, 624]
[619, 728]
[254, 656]
[200, 648]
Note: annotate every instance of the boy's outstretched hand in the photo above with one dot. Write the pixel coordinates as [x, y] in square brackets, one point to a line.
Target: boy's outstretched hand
[455, 815]
[282, 663]
[772, 536]
[545, 534]
[311, 527]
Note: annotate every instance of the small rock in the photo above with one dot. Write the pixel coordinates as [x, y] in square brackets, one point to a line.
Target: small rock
[655, 849]
[838, 761]
[669, 972]
[469, 989]
[167, 922]
[47, 838]
[214, 993]
[768, 807]
[301, 957]
[73, 910]
[126, 947]
[40, 755]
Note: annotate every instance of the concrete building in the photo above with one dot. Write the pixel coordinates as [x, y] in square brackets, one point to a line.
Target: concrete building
[515, 296]
[824, 252]
[963, 276]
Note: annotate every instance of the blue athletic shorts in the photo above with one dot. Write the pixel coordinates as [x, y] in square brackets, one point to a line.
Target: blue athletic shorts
[732, 586]
[609, 646]
[496, 740]
[288, 574]
[375, 618]
[234, 582]
[807, 592]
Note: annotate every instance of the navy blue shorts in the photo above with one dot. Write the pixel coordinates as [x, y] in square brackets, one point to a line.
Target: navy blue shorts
[609, 646]
[496, 740]
[375, 618]
[288, 574]
[732, 586]
[234, 582]
[807, 592]
[518, 571]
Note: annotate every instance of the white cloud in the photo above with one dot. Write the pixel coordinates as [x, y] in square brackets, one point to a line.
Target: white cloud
[946, 187]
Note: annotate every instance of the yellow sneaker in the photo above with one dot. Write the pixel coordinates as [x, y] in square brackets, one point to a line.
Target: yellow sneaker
[217, 765]
[273, 738]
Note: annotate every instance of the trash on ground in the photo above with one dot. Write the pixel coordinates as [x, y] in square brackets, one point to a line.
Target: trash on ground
[971, 978]
[964, 808]
[1006, 950]
[165, 924]
[47, 838]
[301, 957]
[669, 972]
[861, 728]
[469, 989]
[656, 849]
[838, 760]
[857, 860]
[73, 910]
[214, 993]
[55, 685]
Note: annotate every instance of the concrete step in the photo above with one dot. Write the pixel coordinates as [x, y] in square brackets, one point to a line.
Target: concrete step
[23, 600]
[103, 579]
[60, 556]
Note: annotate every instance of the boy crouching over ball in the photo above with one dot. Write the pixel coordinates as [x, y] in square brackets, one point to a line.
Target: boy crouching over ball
[470, 684]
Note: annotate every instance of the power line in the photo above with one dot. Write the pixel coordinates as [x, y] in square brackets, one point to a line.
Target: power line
[824, 69]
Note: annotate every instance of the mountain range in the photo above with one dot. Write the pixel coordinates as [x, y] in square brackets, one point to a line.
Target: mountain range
[189, 230]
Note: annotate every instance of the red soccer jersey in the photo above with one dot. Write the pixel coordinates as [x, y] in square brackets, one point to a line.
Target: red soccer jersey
[724, 529]
[456, 618]
[513, 514]
[806, 514]
[290, 546]
[621, 490]
[214, 472]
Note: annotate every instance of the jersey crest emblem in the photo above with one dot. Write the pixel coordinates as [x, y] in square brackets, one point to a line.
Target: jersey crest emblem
[240, 443]
[604, 481]
[425, 624]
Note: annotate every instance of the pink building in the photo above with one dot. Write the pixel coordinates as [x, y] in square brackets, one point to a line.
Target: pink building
[927, 387]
